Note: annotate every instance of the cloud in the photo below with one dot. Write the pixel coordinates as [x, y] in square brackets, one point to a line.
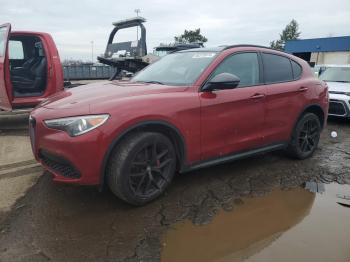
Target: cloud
[74, 24]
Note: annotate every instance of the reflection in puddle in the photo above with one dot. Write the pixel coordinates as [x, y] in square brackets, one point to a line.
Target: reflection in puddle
[258, 221]
[264, 229]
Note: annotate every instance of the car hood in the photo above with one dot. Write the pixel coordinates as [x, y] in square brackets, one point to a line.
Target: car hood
[101, 92]
[338, 87]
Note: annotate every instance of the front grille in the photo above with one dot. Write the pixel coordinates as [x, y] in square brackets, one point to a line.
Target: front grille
[337, 108]
[58, 164]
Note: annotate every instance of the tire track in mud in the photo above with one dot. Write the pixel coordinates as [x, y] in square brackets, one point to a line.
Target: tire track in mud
[19, 169]
[17, 164]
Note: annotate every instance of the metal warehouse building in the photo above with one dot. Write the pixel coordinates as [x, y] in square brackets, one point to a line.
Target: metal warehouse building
[329, 50]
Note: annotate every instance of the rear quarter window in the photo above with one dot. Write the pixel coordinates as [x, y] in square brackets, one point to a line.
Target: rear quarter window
[297, 70]
[277, 68]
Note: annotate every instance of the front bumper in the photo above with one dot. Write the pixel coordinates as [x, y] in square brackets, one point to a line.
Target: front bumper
[339, 105]
[74, 160]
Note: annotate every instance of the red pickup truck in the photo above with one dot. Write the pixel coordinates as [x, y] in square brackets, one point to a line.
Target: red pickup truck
[30, 68]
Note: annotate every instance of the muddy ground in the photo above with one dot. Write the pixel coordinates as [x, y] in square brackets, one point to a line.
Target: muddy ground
[266, 208]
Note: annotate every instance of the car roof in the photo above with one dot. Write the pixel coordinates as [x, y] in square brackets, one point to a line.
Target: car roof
[225, 47]
[258, 47]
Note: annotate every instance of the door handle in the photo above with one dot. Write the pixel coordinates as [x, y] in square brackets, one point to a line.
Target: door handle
[303, 89]
[257, 96]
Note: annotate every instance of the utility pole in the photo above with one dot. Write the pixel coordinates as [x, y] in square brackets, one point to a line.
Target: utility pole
[137, 11]
[92, 51]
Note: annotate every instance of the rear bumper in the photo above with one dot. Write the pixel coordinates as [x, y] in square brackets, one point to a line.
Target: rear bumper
[74, 160]
[339, 105]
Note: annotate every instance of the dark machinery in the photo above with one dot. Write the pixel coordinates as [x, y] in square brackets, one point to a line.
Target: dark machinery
[131, 56]
[163, 50]
[126, 55]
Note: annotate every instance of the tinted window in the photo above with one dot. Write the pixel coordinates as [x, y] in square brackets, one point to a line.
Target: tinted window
[16, 50]
[277, 68]
[296, 69]
[244, 65]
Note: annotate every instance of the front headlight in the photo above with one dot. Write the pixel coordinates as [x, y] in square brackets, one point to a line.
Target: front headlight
[77, 125]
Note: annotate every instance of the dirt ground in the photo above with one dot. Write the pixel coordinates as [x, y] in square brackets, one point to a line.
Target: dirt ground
[266, 208]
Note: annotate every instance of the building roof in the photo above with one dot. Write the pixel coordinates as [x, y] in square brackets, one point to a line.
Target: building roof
[327, 44]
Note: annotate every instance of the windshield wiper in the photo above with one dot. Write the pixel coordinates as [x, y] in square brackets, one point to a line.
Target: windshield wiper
[152, 82]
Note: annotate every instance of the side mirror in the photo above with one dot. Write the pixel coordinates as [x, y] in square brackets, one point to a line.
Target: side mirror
[222, 81]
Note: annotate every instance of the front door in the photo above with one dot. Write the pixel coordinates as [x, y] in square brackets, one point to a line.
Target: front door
[5, 88]
[232, 120]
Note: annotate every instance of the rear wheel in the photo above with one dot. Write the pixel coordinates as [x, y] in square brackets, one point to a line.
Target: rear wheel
[141, 167]
[305, 137]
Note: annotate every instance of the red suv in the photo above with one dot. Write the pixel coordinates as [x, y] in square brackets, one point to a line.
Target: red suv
[189, 110]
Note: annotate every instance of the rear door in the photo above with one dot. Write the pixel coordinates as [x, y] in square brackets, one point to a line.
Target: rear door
[286, 96]
[5, 90]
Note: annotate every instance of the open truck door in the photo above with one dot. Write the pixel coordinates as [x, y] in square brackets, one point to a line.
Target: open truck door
[5, 89]
[31, 69]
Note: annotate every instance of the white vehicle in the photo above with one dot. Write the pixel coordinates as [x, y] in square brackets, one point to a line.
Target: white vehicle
[338, 81]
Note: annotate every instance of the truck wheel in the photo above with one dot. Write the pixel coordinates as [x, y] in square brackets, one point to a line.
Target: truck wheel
[305, 137]
[141, 167]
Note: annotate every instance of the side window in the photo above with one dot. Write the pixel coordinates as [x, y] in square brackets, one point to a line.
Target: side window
[3, 40]
[243, 65]
[276, 68]
[296, 69]
[16, 50]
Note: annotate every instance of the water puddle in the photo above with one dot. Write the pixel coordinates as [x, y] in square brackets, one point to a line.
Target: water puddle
[300, 224]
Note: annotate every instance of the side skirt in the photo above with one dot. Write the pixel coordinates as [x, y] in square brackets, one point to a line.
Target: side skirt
[233, 157]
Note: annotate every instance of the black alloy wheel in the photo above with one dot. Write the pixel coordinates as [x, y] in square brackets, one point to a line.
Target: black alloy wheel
[305, 137]
[141, 167]
[309, 136]
[149, 171]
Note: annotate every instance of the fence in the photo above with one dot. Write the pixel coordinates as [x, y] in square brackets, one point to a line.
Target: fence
[80, 72]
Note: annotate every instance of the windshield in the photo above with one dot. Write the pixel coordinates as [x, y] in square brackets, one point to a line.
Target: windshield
[176, 69]
[336, 74]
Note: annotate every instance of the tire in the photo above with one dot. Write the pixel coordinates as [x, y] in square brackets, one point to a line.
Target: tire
[141, 167]
[305, 137]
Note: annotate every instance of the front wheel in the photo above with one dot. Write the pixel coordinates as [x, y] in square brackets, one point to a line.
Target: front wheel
[305, 137]
[141, 167]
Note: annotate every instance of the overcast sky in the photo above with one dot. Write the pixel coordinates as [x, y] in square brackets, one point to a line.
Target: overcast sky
[74, 24]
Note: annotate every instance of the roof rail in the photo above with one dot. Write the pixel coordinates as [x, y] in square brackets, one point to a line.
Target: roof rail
[247, 45]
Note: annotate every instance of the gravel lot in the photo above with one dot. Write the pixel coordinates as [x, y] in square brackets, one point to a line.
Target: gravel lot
[266, 208]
